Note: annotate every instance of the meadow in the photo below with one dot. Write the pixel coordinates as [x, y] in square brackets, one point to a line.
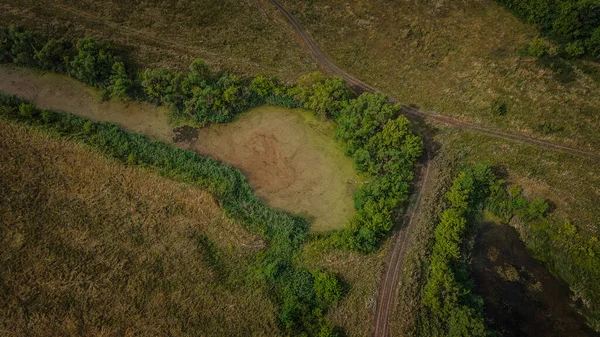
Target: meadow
[94, 247]
[470, 60]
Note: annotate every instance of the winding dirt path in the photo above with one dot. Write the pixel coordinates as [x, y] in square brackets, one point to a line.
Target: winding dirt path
[395, 258]
[360, 87]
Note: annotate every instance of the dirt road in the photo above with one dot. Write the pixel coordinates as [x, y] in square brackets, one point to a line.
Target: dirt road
[391, 275]
[360, 87]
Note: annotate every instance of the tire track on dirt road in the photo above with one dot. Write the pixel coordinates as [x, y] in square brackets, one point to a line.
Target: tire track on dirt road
[395, 258]
[360, 87]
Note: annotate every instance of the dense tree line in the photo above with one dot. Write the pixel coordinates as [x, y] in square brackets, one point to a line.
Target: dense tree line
[573, 24]
[452, 308]
[303, 296]
[382, 146]
[87, 60]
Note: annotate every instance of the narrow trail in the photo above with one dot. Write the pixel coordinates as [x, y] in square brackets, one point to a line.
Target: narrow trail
[395, 258]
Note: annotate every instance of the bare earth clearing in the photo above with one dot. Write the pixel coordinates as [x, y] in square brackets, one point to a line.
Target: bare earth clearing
[289, 157]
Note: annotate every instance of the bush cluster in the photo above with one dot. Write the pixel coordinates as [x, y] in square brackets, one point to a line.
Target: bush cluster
[573, 24]
[383, 147]
[87, 60]
[452, 308]
[205, 97]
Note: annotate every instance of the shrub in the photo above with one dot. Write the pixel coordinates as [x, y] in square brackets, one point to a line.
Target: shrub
[322, 95]
[537, 48]
[452, 308]
[499, 107]
[93, 62]
[54, 56]
[575, 49]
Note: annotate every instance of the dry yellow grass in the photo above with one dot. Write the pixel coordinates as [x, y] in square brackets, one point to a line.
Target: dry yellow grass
[456, 58]
[89, 247]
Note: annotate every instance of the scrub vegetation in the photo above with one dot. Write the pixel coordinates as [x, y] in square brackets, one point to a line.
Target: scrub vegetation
[202, 97]
[574, 25]
[471, 60]
[450, 306]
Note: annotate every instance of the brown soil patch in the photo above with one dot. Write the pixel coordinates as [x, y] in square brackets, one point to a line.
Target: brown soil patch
[521, 297]
[288, 156]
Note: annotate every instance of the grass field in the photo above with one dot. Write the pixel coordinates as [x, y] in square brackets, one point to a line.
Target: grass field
[91, 247]
[236, 35]
[458, 58]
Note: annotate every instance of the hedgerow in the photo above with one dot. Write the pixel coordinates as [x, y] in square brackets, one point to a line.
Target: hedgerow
[452, 308]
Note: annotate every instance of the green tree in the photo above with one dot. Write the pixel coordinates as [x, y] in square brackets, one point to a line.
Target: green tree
[200, 69]
[575, 49]
[54, 56]
[593, 43]
[537, 48]
[328, 288]
[262, 86]
[119, 82]
[361, 118]
[23, 46]
[324, 96]
[93, 62]
[162, 86]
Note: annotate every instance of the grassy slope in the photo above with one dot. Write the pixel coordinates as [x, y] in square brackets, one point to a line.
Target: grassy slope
[455, 58]
[237, 35]
[90, 247]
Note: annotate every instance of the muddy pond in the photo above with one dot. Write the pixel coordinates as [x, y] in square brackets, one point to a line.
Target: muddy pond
[288, 156]
[521, 297]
